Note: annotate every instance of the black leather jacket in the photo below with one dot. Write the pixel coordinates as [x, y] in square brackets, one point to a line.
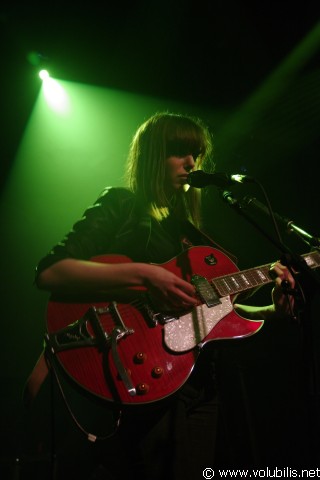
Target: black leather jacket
[114, 225]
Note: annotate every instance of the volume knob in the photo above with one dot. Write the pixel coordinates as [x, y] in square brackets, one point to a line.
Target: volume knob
[140, 357]
[142, 388]
[157, 372]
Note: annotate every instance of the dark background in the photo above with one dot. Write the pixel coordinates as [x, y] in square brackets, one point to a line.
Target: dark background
[214, 55]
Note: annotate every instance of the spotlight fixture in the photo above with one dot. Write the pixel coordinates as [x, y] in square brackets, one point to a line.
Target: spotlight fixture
[44, 74]
[39, 61]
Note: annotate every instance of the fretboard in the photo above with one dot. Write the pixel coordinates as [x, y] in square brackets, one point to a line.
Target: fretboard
[237, 282]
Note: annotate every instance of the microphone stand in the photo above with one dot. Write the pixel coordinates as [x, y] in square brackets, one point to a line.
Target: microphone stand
[313, 242]
[295, 263]
[290, 259]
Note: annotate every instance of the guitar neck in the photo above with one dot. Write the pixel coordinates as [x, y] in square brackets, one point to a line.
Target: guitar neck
[245, 280]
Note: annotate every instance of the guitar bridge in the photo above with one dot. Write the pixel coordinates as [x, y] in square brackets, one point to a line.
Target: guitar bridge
[164, 318]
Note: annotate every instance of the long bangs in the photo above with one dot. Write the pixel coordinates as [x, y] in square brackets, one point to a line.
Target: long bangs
[187, 136]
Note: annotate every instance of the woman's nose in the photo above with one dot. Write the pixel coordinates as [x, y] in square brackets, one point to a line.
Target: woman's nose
[189, 163]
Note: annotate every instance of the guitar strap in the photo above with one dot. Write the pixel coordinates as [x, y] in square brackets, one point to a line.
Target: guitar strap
[199, 237]
[37, 377]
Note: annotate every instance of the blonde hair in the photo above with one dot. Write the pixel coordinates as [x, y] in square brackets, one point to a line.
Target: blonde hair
[161, 136]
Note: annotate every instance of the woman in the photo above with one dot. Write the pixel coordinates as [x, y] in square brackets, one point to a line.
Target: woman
[152, 221]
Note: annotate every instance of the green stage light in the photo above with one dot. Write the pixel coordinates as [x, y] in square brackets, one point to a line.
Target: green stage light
[55, 95]
[44, 74]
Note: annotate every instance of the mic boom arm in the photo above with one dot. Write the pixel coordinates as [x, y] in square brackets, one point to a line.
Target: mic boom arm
[289, 224]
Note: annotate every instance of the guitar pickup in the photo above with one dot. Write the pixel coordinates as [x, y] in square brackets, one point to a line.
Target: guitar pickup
[205, 291]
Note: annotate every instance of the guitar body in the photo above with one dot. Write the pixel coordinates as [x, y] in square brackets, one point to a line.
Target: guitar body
[128, 352]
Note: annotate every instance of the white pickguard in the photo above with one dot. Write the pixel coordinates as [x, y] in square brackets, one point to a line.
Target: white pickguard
[185, 332]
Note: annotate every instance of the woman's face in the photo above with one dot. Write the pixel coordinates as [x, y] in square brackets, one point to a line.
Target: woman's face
[177, 170]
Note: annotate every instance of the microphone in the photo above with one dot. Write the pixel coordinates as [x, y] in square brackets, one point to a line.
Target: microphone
[201, 179]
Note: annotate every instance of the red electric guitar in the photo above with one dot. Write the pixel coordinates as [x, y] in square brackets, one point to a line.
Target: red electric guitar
[131, 353]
